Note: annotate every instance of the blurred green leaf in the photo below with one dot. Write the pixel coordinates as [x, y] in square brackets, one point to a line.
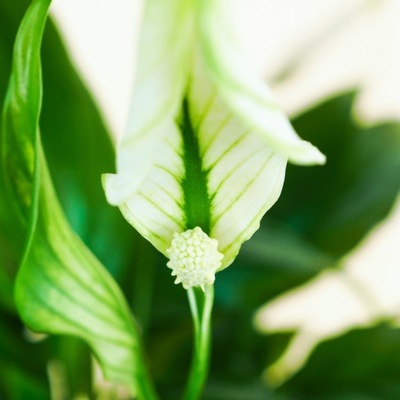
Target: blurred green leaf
[19, 373]
[73, 355]
[276, 259]
[235, 391]
[18, 384]
[24, 361]
[335, 206]
[363, 364]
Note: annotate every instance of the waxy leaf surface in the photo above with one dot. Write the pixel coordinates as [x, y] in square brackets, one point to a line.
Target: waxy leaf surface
[61, 287]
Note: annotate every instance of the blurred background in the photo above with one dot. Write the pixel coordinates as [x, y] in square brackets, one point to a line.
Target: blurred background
[308, 50]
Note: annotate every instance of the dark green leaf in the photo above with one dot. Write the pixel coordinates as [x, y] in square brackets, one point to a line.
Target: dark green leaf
[276, 259]
[333, 207]
[19, 373]
[362, 364]
[220, 390]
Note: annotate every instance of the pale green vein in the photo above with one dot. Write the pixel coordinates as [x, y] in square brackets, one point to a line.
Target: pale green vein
[233, 242]
[245, 189]
[148, 127]
[85, 330]
[244, 233]
[103, 317]
[217, 132]
[102, 297]
[207, 108]
[171, 145]
[232, 171]
[160, 209]
[171, 196]
[234, 144]
[141, 227]
[169, 172]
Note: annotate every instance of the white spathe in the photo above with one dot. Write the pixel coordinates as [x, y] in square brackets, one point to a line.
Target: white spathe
[187, 50]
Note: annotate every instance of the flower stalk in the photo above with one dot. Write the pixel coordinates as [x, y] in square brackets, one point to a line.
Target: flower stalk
[201, 303]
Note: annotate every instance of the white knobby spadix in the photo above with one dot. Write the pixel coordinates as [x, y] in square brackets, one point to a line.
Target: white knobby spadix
[205, 146]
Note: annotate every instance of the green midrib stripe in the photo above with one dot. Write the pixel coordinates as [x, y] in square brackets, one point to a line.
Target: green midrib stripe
[196, 203]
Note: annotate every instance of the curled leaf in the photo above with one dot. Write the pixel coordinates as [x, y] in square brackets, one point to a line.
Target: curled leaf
[61, 287]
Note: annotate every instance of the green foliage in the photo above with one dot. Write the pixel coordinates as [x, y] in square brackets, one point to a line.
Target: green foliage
[344, 199]
[362, 364]
[60, 287]
[78, 150]
[323, 213]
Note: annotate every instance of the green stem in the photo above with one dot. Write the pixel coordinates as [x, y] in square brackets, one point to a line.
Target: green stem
[143, 282]
[144, 386]
[201, 304]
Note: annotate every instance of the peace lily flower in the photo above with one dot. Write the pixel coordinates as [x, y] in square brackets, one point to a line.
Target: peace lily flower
[205, 149]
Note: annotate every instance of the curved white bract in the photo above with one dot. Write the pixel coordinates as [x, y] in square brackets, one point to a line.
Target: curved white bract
[205, 145]
[164, 55]
[245, 176]
[245, 92]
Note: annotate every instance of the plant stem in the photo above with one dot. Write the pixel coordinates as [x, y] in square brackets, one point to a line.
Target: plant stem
[201, 304]
[144, 385]
[145, 389]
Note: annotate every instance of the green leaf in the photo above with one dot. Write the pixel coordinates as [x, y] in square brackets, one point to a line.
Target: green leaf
[333, 207]
[22, 364]
[61, 287]
[12, 230]
[221, 390]
[362, 364]
[20, 385]
[87, 152]
[276, 259]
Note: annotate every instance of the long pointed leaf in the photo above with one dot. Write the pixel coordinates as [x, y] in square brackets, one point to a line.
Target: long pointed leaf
[61, 287]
